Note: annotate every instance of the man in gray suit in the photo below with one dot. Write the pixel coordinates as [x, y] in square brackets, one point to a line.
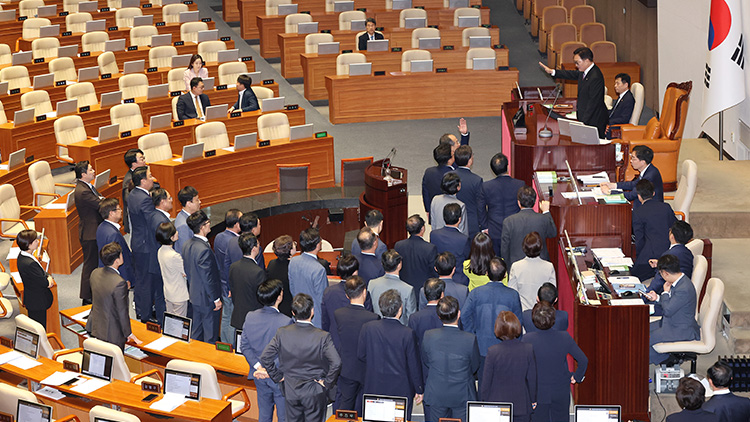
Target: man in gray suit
[678, 302]
[306, 274]
[517, 226]
[109, 319]
[188, 197]
[392, 265]
[308, 364]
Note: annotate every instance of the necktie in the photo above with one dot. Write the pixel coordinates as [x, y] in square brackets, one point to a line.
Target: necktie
[96, 192]
[239, 100]
[372, 37]
[615, 106]
[198, 108]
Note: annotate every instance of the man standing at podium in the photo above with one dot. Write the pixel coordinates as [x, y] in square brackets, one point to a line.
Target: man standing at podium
[590, 107]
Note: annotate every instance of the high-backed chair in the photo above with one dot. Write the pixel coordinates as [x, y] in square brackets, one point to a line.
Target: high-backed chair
[155, 146]
[209, 50]
[262, 93]
[481, 52]
[10, 213]
[114, 4]
[466, 11]
[6, 308]
[567, 52]
[700, 268]
[171, 12]
[105, 413]
[174, 78]
[71, 6]
[43, 184]
[45, 347]
[410, 13]
[291, 21]
[293, 177]
[63, 68]
[418, 33]
[127, 115]
[76, 22]
[29, 7]
[478, 31]
[68, 130]
[582, 14]
[604, 51]
[346, 18]
[189, 31]
[570, 4]
[353, 171]
[695, 246]
[162, 56]
[38, 100]
[133, 85]
[537, 9]
[141, 35]
[6, 56]
[94, 41]
[331, 5]
[551, 15]
[312, 41]
[213, 135]
[639, 93]
[683, 198]
[592, 32]
[273, 126]
[124, 17]
[31, 27]
[174, 108]
[16, 76]
[210, 385]
[228, 72]
[3, 117]
[9, 396]
[344, 60]
[409, 55]
[272, 6]
[45, 47]
[120, 369]
[559, 34]
[107, 63]
[663, 135]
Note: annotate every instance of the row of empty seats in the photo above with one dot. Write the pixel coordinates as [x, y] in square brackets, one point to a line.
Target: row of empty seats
[312, 40]
[344, 60]
[272, 6]
[170, 13]
[291, 21]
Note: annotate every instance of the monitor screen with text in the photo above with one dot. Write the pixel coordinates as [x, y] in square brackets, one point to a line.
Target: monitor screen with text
[383, 408]
[478, 411]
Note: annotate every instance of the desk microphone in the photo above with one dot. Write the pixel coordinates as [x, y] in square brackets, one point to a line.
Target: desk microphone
[546, 133]
[385, 170]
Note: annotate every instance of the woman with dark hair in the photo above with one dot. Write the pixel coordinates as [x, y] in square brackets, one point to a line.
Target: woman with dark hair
[37, 296]
[690, 396]
[284, 247]
[476, 266]
[510, 369]
[195, 69]
[528, 274]
[551, 349]
[172, 268]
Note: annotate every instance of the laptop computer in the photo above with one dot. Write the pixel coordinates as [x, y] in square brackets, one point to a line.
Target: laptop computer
[70, 201]
[377, 408]
[190, 152]
[44, 11]
[43, 81]
[432, 43]
[22, 117]
[177, 326]
[96, 365]
[588, 135]
[343, 6]
[21, 57]
[102, 179]
[180, 60]
[160, 40]
[33, 412]
[455, 4]
[68, 51]
[245, 140]
[66, 107]
[468, 21]
[328, 48]
[415, 22]
[49, 30]
[189, 16]
[97, 25]
[160, 121]
[108, 99]
[228, 55]
[357, 25]
[377, 45]
[16, 159]
[237, 341]
[483, 41]
[401, 4]
[421, 66]
[477, 411]
[564, 125]
[301, 132]
[88, 74]
[208, 35]
[26, 342]
[271, 104]
[359, 69]
[115, 45]
[183, 383]
[109, 132]
[307, 28]
[134, 66]
[216, 111]
[483, 63]
[208, 84]
[157, 91]
[88, 6]
[286, 9]
[595, 413]
[143, 20]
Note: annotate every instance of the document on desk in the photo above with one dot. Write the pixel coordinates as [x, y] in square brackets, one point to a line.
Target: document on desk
[170, 402]
[89, 386]
[24, 363]
[177, 160]
[52, 393]
[626, 302]
[161, 343]
[594, 179]
[13, 253]
[59, 378]
[82, 316]
[4, 167]
[56, 206]
[617, 261]
[572, 195]
[9, 356]
[134, 352]
[607, 252]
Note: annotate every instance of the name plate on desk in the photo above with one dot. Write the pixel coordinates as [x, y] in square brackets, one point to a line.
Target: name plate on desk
[178, 123]
[125, 134]
[152, 69]
[379, 73]
[224, 347]
[225, 38]
[71, 366]
[29, 159]
[63, 14]
[22, 18]
[147, 5]
[129, 101]
[179, 43]
[447, 47]
[206, 20]
[67, 33]
[112, 28]
[41, 118]
[106, 76]
[175, 93]
[264, 143]
[265, 82]
[210, 153]
[441, 70]
[39, 60]
[396, 49]
[247, 59]
[150, 387]
[132, 47]
[86, 54]
[5, 341]
[158, 24]
[153, 327]
[221, 87]
[346, 414]
[84, 109]
[235, 114]
[104, 9]
[15, 91]
[321, 135]
[61, 83]
[291, 106]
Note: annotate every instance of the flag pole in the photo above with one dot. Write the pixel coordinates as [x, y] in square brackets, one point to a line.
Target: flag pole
[721, 135]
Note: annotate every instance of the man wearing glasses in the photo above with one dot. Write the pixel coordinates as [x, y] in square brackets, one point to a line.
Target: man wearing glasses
[640, 159]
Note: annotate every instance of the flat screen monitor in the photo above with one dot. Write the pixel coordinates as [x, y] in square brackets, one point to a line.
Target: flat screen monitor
[584, 134]
[482, 41]
[44, 11]
[237, 333]
[160, 40]
[134, 66]
[421, 66]
[244, 141]
[401, 4]
[328, 48]
[97, 25]
[432, 43]
[343, 6]
[160, 121]
[49, 30]
[286, 9]
[96, 365]
[208, 35]
[228, 55]
[478, 411]
[301, 132]
[16, 158]
[109, 99]
[33, 412]
[115, 45]
[189, 16]
[182, 383]
[22, 117]
[377, 45]
[208, 84]
[88, 6]
[468, 21]
[271, 104]
[144, 20]
[43, 81]
[180, 60]
[483, 63]
[7, 15]
[357, 25]
[307, 27]
[597, 413]
[359, 69]
[456, 4]
[102, 179]
[177, 326]
[66, 107]
[4, 87]
[377, 408]
[129, 3]
[157, 91]
[215, 112]
[67, 51]
[26, 342]
[415, 22]
[109, 132]
[564, 125]
[21, 57]
[88, 74]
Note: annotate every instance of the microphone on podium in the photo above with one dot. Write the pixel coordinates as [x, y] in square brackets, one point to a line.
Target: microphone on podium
[546, 133]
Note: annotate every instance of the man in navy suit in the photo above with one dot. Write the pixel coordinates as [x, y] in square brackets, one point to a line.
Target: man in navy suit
[679, 303]
[134, 158]
[186, 108]
[546, 293]
[498, 200]
[190, 202]
[370, 34]
[427, 318]
[433, 176]
[651, 224]
[370, 266]
[723, 403]
[525, 221]
[450, 239]
[141, 209]
[392, 264]
[679, 234]
[222, 240]
[257, 331]
[640, 159]
[163, 203]
[246, 100]
[109, 231]
[249, 223]
[418, 255]
[471, 185]
[306, 274]
[391, 355]
[451, 357]
[445, 265]
[334, 297]
[690, 396]
[622, 109]
[349, 321]
[87, 200]
[373, 221]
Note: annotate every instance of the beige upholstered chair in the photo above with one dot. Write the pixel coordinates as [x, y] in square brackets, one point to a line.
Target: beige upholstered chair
[31, 27]
[695, 246]
[551, 16]
[45, 347]
[567, 51]
[174, 78]
[127, 115]
[344, 60]
[71, 6]
[174, 108]
[409, 55]
[228, 72]
[6, 308]
[291, 21]
[43, 185]
[141, 35]
[133, 85]
[467, 33]
[331, 5]
[559, 34]
[45, 47]
[700, 268]
[312, 41]
[592, 32]
[346, 18]
[76, 22]
[410, 13]
[9, 396]
[155, 146]
[273, 126]
[38, 100]
[107, 63]
[124, 17]
[6, 56]
[63, 68]
[161, 56]
[210, 385]
[94, 41]
[213, 135]
[423, 33]
[262, 92]
[3, 117]
[466, 11]
[483, 52]
[686, 186]
[68, 130]
[639, 93]
[114, 4]
[120, 369]
[105, 413]
[604, 51]
[209, 50]
[189, 31]
[536, 12]
[29, 7]
[582, 14]
[16, 76]
[272, 6]
[10, 213]
[171, 12]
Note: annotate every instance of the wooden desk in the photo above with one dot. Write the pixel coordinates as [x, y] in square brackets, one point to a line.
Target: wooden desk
[293, 45]
[225, 176]
[609, 70]
[316, 67]
[230, 10]
[19, 178]
[426, 95]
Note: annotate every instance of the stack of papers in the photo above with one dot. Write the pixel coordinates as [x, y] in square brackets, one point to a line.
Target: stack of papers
[161, 343]
[89, 386]
[613, 258]
[19, 360]
[594, 179]
[59, 378]
[51, 393]
[546, 176]
[82, 316]
[134, 352]
[169, 402]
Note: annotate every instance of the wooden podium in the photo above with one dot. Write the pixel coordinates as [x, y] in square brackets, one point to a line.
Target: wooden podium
[392, 199]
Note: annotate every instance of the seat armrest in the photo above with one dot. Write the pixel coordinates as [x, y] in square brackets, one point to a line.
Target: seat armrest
[54, 336]
[11, 220]
[30, 207]
[65, 185]
[657, 145]
[38, 194]
[694, 346]
[2, 267]
[668, 198]
[632, 131]
[67, 352]
[148, 374]
[680, 215]
[245, 400]
[69, 418]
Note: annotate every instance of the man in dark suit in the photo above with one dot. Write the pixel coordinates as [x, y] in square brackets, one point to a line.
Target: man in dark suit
[640, 159]
[679, 303]
[723, 403]
[622, 109]
[190, 202]
[308, 364]
[418, 255]
[679, 234]
[109, 231]
[141, 209]
[306, 274]
[370, 266]
[334, 297]
[690, 396]
[257, 331]
[186, 104]
[591, 109]
[245, 276]
[373, 221]
[87, 200]
[37, 283]
[427, 318]
[163, 204]
[246, 100]
[391, 355]
[546, 293]
[498, 199]
[370, 34]
[517, 226]
[651, 224]
[451, 357]
[204, 280]
[134, 158]
[471, 186]
[249, 223]
[222, 241]
[450, 239]
[349, 321]
[109, 320]
[445, 265]
[433, 176]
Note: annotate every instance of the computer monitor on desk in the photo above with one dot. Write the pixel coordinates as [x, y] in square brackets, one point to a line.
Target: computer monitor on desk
[421, 66]
[468, 21]
[591, 413]
[415, 22]
[216, 112]
[482, 41]
[271, 104]
[377, 45]
[357, 25]
[343, 6]
[477, 411]
[286, 9]
[160, 40]
[33, 412]
[307, 27]
[208, 35]
[376, 408]
[143, 20]
[110, 99]
[109, 132]
[588, 135]
[102, 179]
[401, 4]
[432, 43]
[115, 45]
[26, 342]
[97, 365]
[88, 6]
[177, 326]
[183, 383]
[88, 74]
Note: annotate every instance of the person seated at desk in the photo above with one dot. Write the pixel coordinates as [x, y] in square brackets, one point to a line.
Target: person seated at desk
[679, 234]
[640, 159]
[246, 100]
[37, 296]
[651, 225]
[193, 104]
[723, 403]
[623, 107]
[194, 70]
[690, 396]
[370, 34]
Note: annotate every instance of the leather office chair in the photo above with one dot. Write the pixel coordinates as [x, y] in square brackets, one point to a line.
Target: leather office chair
[133, 85]
[124, 17]
[639, 93]
[162, 56]
[467, 33]
[3, 117]
[409, 55]
[127, 115]
[228, 72]
[174, 108]
[695, 246]
[209, 50]
[344, 60]
[174, 78]
[663, 135]
[411, 13]
[107, 63]
[353, 171]
[708, 318]
[71, 6]
[16, 76]
[291, 21]
[6, 56]
[312, 41]
[346, 18]
[537, 9]
[582, 14]
[189, 31]
[84, 92]
[213, 135]
[592, 32]
[38, 100]
[261, 92]
[273, 126]
[700, 268]
[45, 347]
[567, 51]
[559, 33]
[9, 396]
[29, 7]
[68, 130]
[45, 47]
[10, 213]
[604, 51]
[105, 413]
[43, 184]
[209, 387]
[6, 307]
[63, 68]
[482, 52]
[466, 11]
[31, 27]
[272, 6]
[171, 12]
[76, 22]
[570, 4]
[114, 4]
[551, 15]
[141, 35]
[94, 41]
[155, 146]
[293, 177]
[683, 198]
[423, 33]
